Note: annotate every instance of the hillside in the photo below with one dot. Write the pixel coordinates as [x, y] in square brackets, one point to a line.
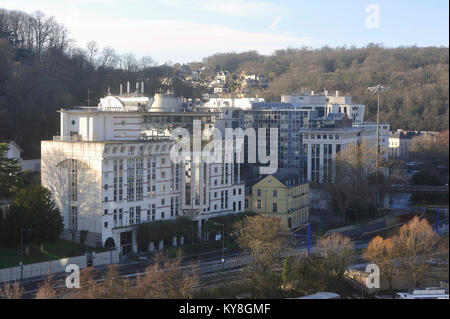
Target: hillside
[38, 76]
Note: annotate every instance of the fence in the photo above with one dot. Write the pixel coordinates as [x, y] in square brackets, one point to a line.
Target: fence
[107, 257]
[57, 266]
[41, 269]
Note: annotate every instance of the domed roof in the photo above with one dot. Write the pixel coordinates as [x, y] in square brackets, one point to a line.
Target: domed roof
[165, 103]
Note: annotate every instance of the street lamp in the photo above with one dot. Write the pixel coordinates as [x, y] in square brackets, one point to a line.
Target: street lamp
[21, 251]
[223, 244]
[378, 90]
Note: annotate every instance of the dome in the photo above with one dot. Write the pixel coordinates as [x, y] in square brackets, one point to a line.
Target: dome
[165, 103]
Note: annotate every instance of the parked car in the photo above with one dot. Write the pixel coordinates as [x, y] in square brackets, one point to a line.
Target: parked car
[142, 257]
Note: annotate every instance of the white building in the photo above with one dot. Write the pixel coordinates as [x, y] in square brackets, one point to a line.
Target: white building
[14, 151]
[400, 142]
[327, 104]
[240, 103]
[111, 170]
[324, 139]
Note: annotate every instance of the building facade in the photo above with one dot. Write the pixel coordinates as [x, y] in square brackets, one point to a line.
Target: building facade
[282, 195]
[111, 170]
[324, 138]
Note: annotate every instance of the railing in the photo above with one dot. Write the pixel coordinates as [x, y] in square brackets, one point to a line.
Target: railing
[74, 138]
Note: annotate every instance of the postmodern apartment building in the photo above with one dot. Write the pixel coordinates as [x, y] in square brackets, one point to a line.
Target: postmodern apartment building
[282, 195]
[326, 104]
[110, 170]
[324, 137]
[400, 142]
[288, 119]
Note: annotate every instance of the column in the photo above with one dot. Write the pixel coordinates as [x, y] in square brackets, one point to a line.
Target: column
[134, 241]
[199, 228]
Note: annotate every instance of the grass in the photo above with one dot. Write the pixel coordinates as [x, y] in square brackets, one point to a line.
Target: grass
[9, 257]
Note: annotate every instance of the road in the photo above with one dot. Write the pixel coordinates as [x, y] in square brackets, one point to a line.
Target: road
[209, 265]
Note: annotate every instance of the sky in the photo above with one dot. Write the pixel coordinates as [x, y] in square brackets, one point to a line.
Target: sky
[189, 30]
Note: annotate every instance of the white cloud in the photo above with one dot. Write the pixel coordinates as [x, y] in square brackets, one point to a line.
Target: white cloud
[275, 22]
[163, 39]
[243, 8]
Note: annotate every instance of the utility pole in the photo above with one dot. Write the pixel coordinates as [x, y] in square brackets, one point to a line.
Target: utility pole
[437, 220]
[309, 238]
[21, 252]
[89, 91]
[378, 90]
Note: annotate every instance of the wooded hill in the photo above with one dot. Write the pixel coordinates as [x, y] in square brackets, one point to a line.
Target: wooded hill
[41, 71]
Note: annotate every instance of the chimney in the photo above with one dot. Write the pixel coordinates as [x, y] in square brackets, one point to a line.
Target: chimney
[121, 89]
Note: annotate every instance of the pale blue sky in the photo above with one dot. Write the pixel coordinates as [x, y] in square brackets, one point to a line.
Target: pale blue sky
[187, 30]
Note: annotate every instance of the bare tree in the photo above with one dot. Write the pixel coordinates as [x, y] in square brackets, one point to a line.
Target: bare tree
[90, 288]
[337, 252]
[92, 50]
[108, 58]
[265, 239]
[11, 291]
[416, 244]
[382, 252]
[128, 62]
[165, 280]
[46, 289]
[351, 184]
[114, 286]
[146, 62]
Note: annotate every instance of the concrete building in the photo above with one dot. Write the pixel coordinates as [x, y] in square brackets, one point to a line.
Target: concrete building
[111, 170]
[399, 143]
[324, 137]
[282, 195]
[14, 150]
[288, 120]
[326, 104]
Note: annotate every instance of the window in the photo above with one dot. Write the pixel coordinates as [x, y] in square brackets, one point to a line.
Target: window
[258, 204]
[106, 225]
[131, 216]
[162, 215]
[275, 193]
[73, 122]
[258, 192]
[105, 212]
[275, 208]
[163, 201]
[138, 214]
